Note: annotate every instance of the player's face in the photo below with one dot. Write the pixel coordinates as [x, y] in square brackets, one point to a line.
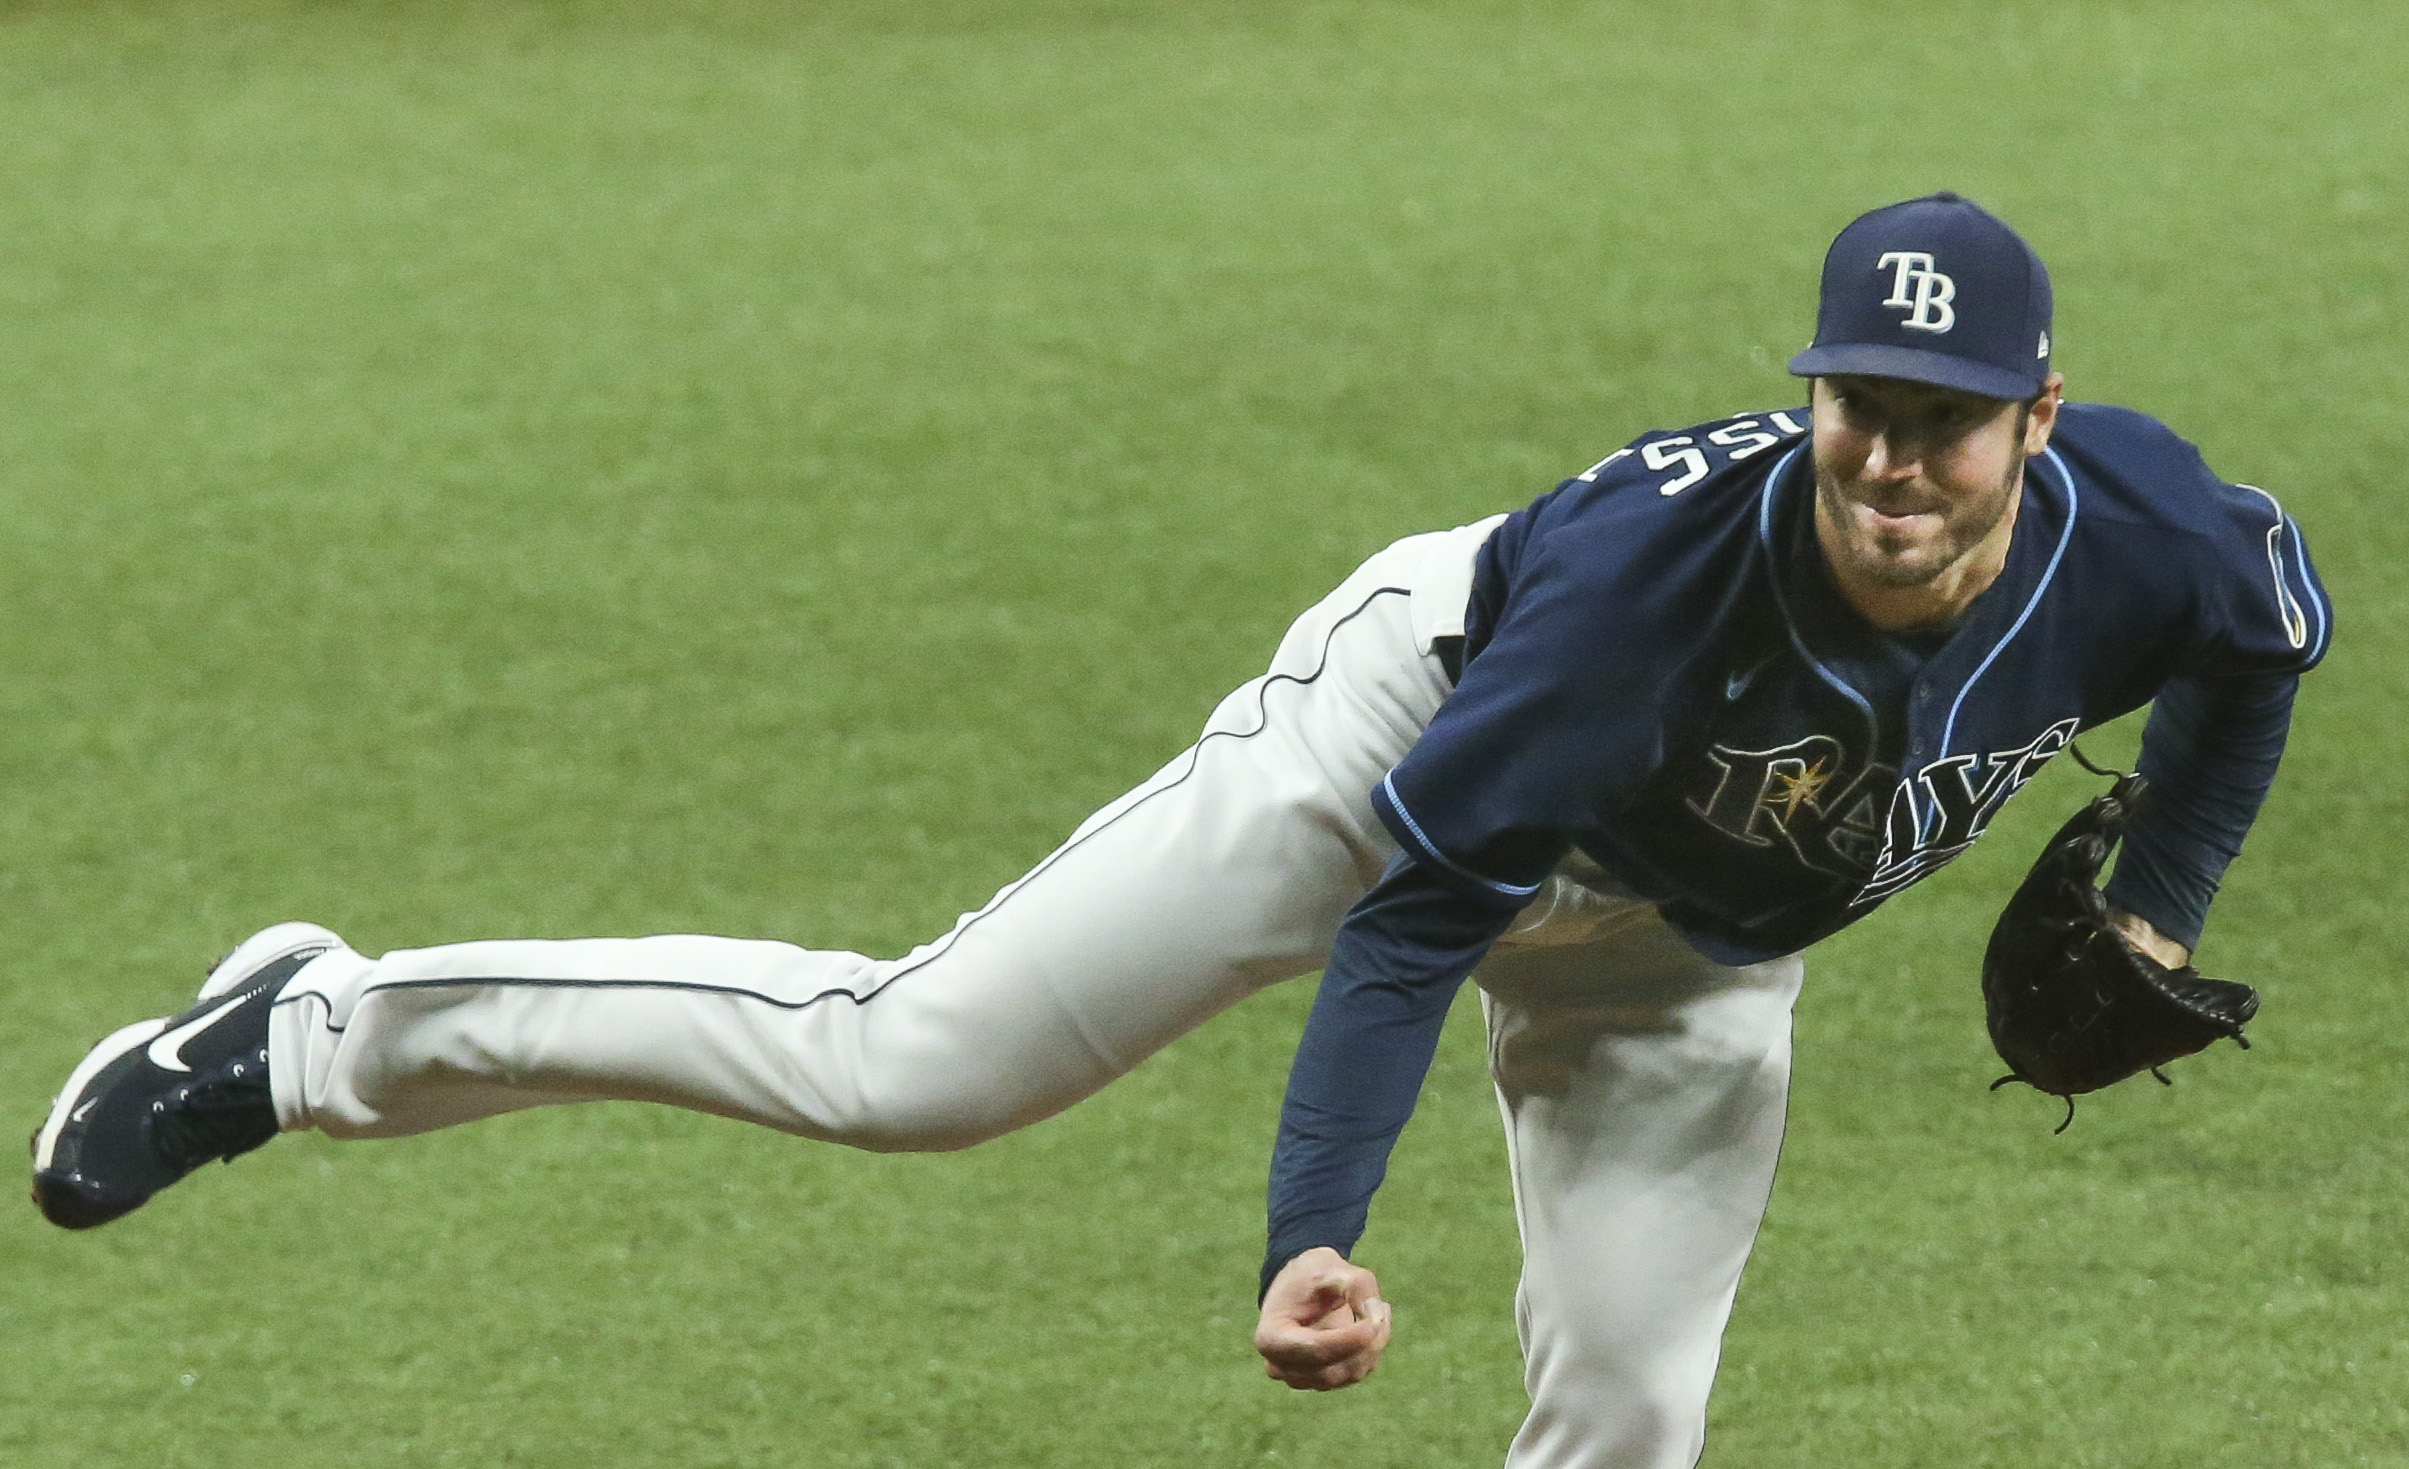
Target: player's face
[1916, 485]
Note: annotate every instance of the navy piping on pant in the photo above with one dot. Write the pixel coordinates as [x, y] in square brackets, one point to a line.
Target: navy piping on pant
[1195, 751]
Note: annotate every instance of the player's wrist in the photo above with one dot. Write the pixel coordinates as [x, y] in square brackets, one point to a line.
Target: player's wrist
[1282, 1255]
[2143, 935]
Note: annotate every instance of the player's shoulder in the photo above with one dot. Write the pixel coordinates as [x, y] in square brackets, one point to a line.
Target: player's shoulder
[1666, 480]
[2133, 469]
[1715, 454]
[1663, 488]
[2150, 512]
[1670, 514]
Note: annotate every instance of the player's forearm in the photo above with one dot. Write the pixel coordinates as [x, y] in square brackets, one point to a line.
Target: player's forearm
[2209, 751]
[1367, 1045]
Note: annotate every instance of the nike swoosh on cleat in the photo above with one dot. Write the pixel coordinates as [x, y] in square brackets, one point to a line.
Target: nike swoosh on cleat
[100, 1058]
[78, 1114]
[165, 1051]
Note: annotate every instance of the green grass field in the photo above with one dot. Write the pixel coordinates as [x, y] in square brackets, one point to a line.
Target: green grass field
[514, 468]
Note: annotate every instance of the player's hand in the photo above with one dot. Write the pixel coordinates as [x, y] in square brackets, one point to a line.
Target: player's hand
[2138, 932]
[1323, 1324]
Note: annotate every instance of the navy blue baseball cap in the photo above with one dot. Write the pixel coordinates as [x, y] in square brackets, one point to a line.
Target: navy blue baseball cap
[1936, 290]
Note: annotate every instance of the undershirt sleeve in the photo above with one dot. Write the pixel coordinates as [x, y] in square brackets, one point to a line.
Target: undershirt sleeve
[2209, 753]
[1399, 959]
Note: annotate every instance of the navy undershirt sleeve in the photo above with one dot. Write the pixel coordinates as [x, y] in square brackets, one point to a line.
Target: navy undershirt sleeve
[1399, 959]
[2209, 753]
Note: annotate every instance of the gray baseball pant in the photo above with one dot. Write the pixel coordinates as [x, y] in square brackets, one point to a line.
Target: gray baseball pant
[1642, 1084]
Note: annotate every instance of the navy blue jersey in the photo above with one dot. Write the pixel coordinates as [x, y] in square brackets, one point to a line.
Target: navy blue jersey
[1660, 672]
[1657, 672]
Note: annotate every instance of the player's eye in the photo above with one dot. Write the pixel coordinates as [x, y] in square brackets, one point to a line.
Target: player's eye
[1952, 422]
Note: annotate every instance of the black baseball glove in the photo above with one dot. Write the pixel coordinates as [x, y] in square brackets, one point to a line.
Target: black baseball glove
[2072, 1005]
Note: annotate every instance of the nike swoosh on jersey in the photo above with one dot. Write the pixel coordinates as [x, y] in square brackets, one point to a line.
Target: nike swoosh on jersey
[166, 1050]
[1736, 684]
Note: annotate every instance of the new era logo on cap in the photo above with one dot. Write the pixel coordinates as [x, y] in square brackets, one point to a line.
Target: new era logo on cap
[1934, 290]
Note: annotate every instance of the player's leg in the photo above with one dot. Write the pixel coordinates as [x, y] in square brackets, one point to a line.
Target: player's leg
[1643, 1087]
[1226, 871]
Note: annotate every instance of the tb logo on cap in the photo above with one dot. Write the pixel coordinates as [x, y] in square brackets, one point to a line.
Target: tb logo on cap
[1928, 309]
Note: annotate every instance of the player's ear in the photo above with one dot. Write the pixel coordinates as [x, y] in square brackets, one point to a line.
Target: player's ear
[2042, 421]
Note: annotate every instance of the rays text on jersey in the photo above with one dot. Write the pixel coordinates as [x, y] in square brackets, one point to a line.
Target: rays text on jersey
[1944, 807]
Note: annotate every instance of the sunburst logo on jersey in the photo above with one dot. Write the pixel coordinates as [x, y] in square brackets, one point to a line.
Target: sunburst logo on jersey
[1793, 786]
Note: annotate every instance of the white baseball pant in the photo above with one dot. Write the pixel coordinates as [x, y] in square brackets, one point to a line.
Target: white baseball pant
[1642, 1084]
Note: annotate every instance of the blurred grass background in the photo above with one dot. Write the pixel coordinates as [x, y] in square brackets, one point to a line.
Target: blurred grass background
[558, 468]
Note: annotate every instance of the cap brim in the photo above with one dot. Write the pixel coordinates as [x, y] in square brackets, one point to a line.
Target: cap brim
[1866, 359]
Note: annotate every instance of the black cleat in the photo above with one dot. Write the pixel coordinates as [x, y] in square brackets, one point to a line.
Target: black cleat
[160, 1098]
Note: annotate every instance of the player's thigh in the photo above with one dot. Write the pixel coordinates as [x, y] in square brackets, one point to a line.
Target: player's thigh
[1643, 1087]
[1228, 870]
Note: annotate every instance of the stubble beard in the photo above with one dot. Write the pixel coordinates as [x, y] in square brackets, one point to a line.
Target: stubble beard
[1958, 537]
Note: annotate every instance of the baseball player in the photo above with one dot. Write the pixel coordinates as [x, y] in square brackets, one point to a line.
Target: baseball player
[1625, 753]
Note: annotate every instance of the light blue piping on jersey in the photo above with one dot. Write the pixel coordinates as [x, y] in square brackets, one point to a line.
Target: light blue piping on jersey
[2049, 574]
[1949, 726]
[1423, 837]
[2287, 605]
[2316, 599]
[1774, 579]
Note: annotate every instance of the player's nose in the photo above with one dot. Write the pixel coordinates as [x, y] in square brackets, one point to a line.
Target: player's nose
[1892, 458]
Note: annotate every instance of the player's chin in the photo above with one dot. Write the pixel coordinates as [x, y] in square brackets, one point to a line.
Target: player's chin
[1904, 572]
[1901, 560]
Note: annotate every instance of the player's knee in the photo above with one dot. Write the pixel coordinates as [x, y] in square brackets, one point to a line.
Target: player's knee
[1617, 1423]
[923, 1137]
[927, 1124]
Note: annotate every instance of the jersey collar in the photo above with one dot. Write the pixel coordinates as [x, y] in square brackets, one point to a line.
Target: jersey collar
[1824, 628]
